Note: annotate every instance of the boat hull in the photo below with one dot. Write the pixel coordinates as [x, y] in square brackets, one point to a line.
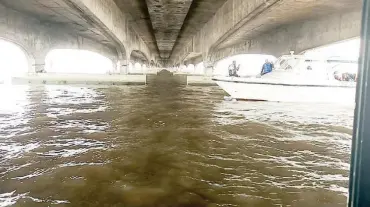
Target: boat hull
[265, 91]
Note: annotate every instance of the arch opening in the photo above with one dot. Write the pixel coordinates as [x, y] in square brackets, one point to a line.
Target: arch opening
[346, 49]
[77, 61]
[137, 66]
[344, 55]
[14, 61]
[188, 69]
[139, 59]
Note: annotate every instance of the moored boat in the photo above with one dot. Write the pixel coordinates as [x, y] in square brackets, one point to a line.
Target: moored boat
[296, 79]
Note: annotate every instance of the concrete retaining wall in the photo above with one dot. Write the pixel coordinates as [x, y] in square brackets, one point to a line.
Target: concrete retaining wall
[80, 79]
[105, 79]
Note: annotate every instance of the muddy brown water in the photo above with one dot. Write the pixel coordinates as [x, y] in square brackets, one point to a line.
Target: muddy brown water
[166, 145]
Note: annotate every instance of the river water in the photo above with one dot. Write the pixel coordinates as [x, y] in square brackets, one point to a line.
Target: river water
[165, 145]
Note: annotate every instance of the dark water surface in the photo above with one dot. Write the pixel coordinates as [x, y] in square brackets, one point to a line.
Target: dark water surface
[165, 145]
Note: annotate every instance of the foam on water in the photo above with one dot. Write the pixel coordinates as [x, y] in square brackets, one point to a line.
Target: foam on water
[167, 145]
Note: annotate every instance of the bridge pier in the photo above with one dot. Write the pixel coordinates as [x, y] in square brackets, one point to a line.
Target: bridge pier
[208, 68]
[39, 65]
[37, 38]
[120, 66]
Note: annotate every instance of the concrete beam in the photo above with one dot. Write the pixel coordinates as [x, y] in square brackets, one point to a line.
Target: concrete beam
[195, 60]
[240, 20]
[110, 18]
[228, 17]
[298, 37]
[167, 18]
[36, 39]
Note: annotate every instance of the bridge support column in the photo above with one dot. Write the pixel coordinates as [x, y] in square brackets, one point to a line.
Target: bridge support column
[38, 64]
[208, 68]
[122, 67]
[114, 69]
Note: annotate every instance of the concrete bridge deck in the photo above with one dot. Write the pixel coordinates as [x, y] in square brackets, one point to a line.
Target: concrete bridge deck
[175, 32]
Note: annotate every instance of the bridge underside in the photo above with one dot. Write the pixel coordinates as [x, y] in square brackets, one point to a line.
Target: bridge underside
[60, 13]
[172, 32]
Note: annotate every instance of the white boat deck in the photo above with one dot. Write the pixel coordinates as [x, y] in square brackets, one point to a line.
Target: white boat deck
[276, 78]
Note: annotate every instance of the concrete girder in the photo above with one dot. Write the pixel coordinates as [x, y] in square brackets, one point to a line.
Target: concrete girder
[298, 37]
[110, 18]
[167, 18]
[164, 23]
[139, 20]
[226, 19]
[195, 60]
[188, 52]
[37, 39]
[200, 12]
[240, 20]
[139, 56]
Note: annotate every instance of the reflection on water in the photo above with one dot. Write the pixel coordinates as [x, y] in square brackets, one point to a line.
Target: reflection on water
[165, 145]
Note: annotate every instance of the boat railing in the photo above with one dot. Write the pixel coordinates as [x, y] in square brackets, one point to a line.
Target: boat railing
[286, 62]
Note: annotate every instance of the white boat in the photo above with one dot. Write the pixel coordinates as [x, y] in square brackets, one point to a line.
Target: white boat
[295, 79]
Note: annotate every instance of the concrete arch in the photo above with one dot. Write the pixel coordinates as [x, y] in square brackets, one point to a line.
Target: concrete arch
[139, 56]
[142, 49]
[14, 61]
[81, 43]
[135, 67]
[137, 45]
[116, 25]
[37, 39]
[300, 36]
[77, 61]
[22, 46]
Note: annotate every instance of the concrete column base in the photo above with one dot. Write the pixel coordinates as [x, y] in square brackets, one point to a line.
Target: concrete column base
[114, 71]
[122, 67]
[38, 66]
[208, 68]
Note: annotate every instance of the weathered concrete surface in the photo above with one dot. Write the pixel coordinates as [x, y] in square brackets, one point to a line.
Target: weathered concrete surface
[298, 37]
[175, 32]
[138, 56]
[100, 20]
[80, 79]
[167, 19]
[111, 19]
[173, 22]
[284, 12]
[37, 38]
[139, 19]
[200, 12]
[238, 21]
[59, 13]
